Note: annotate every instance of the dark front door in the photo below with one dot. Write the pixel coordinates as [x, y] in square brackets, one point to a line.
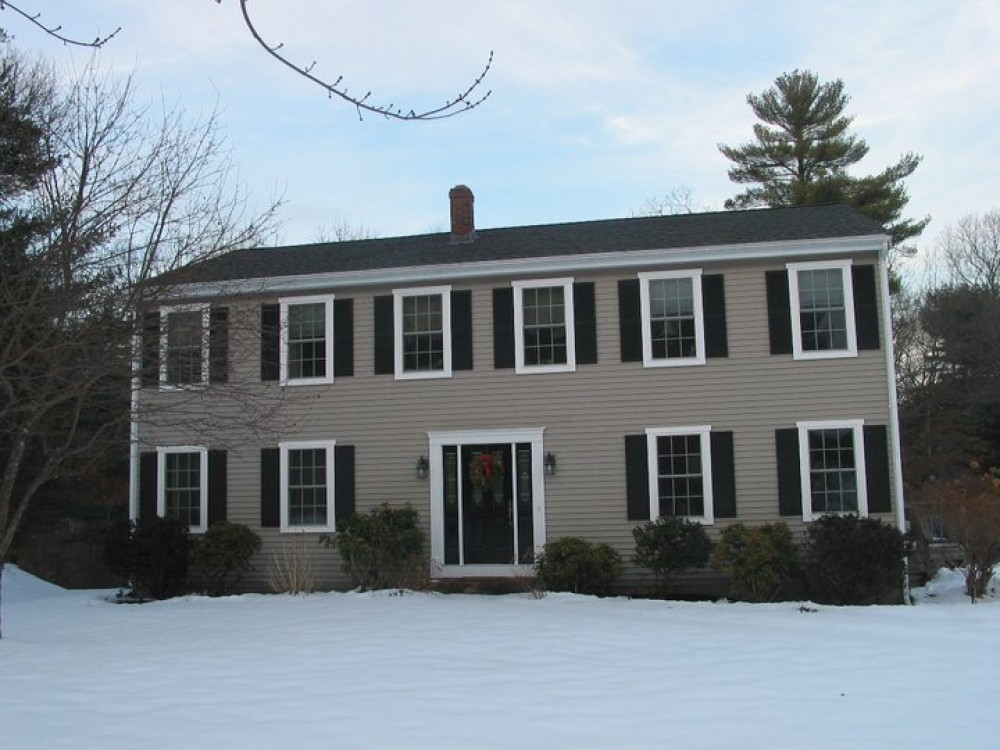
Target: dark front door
[487, 507]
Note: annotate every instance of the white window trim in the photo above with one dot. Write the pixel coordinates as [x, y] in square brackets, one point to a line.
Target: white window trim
[161, 482]
[793, 298]
[165, 312]
[436, 442]
[704, 432]
[397, 306]
[699, 319]
[331, 521]
[566, 284]
[285, 303]
[856, 425]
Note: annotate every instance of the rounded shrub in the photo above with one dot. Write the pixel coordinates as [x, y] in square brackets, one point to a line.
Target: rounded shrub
[222, 555]
[757, 560]
[852, 560]
[576, 565]
[383, 548]
[670, 545]
[152, 555]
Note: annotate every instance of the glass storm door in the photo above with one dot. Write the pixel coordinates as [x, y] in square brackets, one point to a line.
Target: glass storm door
[488, 504]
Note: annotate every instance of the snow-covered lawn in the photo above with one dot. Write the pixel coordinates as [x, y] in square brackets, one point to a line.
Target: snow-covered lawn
[414, 671]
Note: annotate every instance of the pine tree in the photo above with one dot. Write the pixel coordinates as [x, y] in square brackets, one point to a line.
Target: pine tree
[802, 153]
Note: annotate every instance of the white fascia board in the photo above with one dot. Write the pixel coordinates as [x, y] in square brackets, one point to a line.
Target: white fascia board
[557, 264]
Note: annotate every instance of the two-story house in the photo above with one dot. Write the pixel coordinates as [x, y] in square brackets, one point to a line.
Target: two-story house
[521, 384]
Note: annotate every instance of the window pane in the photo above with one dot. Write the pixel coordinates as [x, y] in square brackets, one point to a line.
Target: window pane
[307, 340]
[423, 333]
[679, 471]
[184, 341]
[833, 483]
[822, 309]
[672, 318]
[544, 311]
[307, 490]
[182, 487]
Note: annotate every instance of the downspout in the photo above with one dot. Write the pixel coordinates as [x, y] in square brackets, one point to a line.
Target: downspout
[133, 429]
[890, 370]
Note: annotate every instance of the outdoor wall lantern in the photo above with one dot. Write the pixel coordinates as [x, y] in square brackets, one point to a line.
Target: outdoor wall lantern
[422, 467]
[550, 465]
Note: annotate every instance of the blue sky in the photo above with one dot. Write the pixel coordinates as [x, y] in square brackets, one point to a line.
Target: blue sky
[597, 106]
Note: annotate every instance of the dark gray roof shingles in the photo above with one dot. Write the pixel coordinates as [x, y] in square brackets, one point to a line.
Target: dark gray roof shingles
[512, 243]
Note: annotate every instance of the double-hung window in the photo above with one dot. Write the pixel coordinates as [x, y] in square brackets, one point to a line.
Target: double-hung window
[182, 485]
[184, 343]
[307, 486]
[680, 473]
[822, 302]
[544, 335]
[307, 340]
[832, 462]
[422, 330]
[673, 326]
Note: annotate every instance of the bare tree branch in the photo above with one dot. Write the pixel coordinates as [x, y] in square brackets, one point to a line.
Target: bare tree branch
[468, 99]
[53, 31]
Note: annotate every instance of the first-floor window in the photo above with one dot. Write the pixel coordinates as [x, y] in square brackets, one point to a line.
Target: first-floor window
[183, 485]
[307, 486]
[680, 473]
[832, 464]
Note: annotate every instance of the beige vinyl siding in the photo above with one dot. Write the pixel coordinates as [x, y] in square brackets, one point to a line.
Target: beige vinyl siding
[586, 413]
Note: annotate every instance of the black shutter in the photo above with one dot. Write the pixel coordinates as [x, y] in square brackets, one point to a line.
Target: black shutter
[151, 348]
[503, 327]
[630, 320]
[779, 314]
[343, 338]
[270, 487]
[637, 477]
[385, 362]
[865, 307]
[585, 322]
[789, 480]
[270, 342]
[218, 345]
[713, 299]
[217, 486]
[343, 491]
[877, 468]
[461, 330]
[147, 485]
[723, 475]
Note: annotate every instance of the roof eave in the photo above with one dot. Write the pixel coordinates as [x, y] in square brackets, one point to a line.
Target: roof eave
[582, 262]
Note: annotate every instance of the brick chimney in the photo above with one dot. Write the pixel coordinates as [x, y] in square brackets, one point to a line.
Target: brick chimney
[463, 224]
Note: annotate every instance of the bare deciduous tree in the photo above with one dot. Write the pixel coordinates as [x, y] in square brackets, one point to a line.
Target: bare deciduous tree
[970, 251]
[120, 193]
[679, 200]
[470, 98]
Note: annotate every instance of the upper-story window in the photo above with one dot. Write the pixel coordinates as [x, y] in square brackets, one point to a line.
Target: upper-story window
[673, 326]
[422, 329]
[184, 343]
[307, 340]
[544, 331]
[832, 463]
[822, 310]
[182, 485]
